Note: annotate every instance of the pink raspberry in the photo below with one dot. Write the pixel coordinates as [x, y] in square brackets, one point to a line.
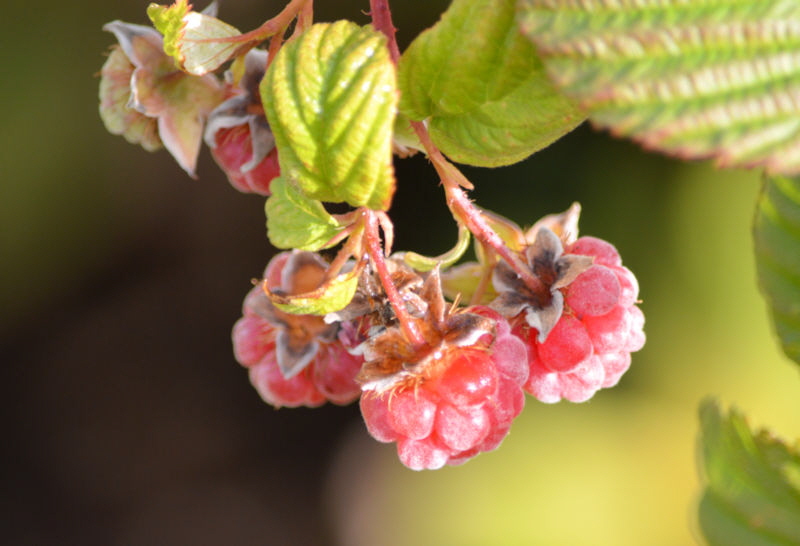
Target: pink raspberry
[238, 134]
[455, 401]
[589, 347]
[233, 152]
[295, 360]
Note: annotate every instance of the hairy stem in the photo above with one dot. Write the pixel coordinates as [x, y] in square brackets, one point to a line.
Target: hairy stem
[382, 21]
[461, 206]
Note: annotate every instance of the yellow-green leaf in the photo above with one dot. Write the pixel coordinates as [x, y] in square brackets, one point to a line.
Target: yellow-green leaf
[330, 98]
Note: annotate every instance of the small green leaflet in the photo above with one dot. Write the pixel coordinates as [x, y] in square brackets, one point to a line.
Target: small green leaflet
[483, 87]
[296, 221]
[195, 40]
[752, 492]
[333, 295]
[776, 233]
[330, 98]
[714, 79]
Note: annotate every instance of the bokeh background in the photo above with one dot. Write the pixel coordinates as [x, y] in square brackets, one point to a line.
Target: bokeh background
[127, 420]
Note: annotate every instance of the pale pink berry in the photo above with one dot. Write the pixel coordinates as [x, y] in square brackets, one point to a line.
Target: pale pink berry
[589, 347]
[296, 360]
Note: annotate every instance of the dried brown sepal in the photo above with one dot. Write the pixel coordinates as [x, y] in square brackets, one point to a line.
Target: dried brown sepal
[392, 361]
[547, 261]
[563, 224]
[370, 301]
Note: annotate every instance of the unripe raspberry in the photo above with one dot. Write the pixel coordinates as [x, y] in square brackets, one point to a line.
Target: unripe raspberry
[453, 401]
[295, 360]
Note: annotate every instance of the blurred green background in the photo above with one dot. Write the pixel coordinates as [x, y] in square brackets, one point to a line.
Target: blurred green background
[127, 420]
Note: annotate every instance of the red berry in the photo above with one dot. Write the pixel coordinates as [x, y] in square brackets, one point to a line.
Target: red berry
[589, 346]
[458, 402]
[233, 151]
[330, 372]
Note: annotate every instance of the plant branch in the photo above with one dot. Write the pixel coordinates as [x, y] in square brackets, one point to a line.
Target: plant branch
[382, 21]
[454, 181]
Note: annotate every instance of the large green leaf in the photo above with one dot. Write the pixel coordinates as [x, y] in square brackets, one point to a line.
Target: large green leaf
[330, 98]
[752, 492]
[296, 221]
[777, 243]
[483, 87]
[714, 78]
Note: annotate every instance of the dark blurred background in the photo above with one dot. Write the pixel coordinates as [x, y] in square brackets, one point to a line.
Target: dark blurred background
[127, 420]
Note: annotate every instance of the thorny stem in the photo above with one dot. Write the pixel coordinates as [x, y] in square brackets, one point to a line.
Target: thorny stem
[375, 251]
[382, 21]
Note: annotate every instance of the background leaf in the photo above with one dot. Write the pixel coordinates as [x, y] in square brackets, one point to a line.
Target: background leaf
[696, 79]
[295, 221]
[482, 86]
[752, 496]
[330, 98]
[777, 244]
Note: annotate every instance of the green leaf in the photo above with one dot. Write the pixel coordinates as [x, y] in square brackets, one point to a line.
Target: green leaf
[296, 221]
[714, 79]
[777, 245]
[331, 296]
[483, 87]
[195, 40]
[752, 492]
[330, 98]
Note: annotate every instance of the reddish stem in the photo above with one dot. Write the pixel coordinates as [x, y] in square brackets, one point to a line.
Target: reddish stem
[458, 202]
[382, 21]
[375, 251]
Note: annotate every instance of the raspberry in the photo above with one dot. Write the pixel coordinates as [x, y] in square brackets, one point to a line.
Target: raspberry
[295, 360]
[233, 152]
[589, 347]
[238, 134]
[454, 401]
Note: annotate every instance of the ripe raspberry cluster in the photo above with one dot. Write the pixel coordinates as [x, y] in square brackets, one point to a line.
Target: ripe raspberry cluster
[456, 394]
[544, 312]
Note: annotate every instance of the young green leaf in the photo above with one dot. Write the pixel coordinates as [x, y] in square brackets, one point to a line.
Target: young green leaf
[483, 87]
[197, 41]
[752, 492]
[777, 245]
[695, 79]
[331, 296]
[330, 98]
[296, 221]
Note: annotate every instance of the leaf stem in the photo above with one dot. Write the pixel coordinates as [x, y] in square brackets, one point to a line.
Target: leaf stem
[375, 251]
